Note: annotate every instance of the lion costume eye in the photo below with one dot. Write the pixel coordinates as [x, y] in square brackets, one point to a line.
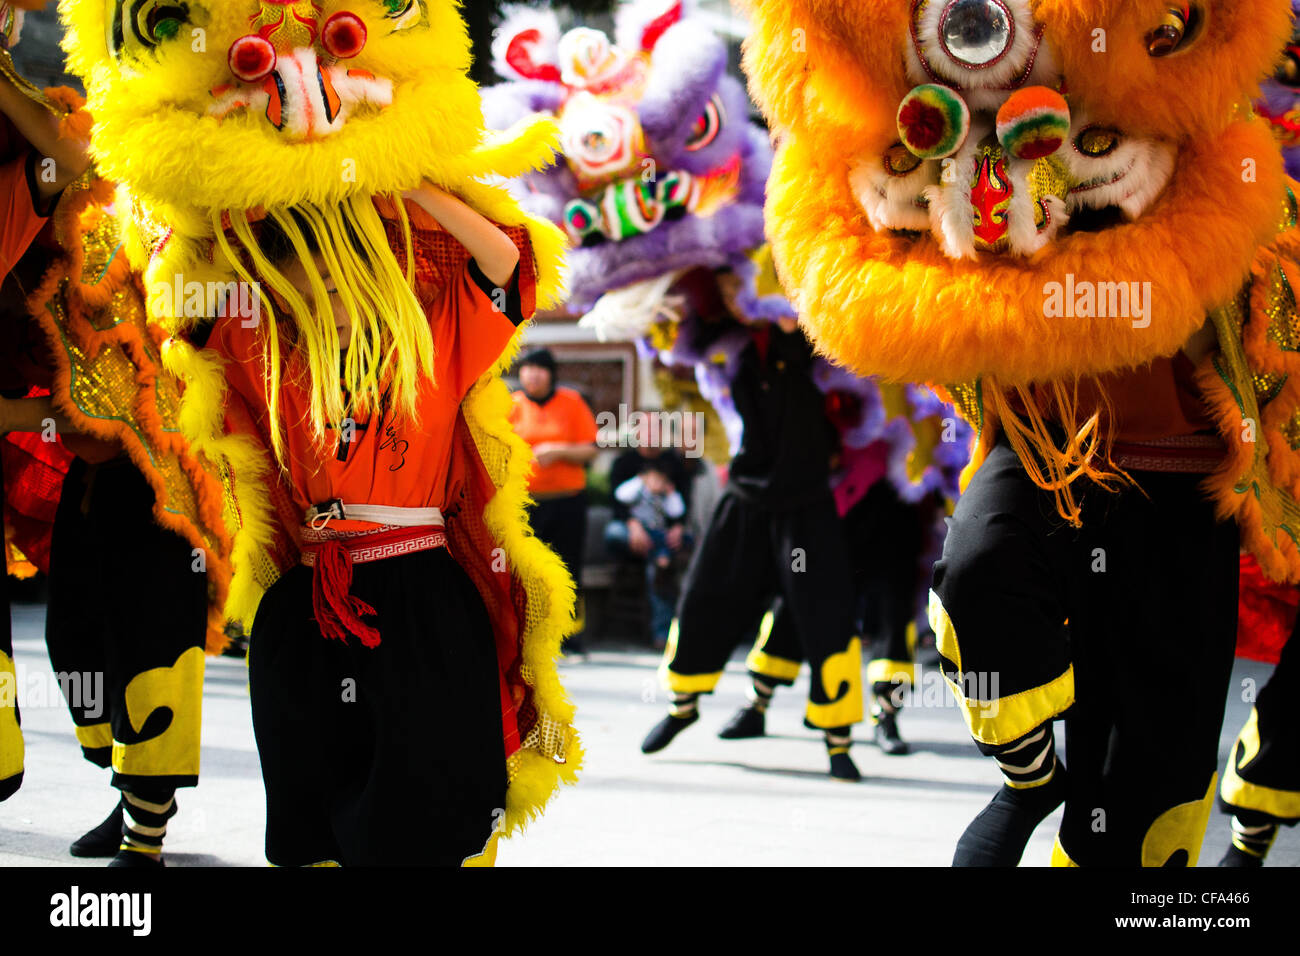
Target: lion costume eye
[404, 13]
[144, 24]
[708, 126]
[1288, 71]
[900, 161]
[1097, 141]
[1176, 32]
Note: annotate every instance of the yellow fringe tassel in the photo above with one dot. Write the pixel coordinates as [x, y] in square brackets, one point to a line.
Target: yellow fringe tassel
[392, 344]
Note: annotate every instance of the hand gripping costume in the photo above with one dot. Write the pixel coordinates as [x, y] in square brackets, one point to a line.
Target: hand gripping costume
[1066, 212]
[404, 621]
[1261, 784]
[661, 190]
[137, 506]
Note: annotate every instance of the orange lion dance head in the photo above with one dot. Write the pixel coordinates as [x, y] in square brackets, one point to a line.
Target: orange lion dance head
[948, 168]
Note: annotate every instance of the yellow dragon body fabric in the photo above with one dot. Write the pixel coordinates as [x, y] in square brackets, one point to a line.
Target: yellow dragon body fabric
[213, 115]
[1067, 191]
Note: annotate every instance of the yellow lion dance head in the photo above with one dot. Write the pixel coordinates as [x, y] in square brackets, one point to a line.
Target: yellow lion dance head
[229, 105]
[947, 167]
[214, 115]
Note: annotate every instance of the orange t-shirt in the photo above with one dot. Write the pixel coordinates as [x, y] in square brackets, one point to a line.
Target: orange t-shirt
[564, 418]
[22, 219]
[389, 461]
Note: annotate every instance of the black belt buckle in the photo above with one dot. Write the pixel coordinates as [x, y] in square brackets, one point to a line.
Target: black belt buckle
[332, 509]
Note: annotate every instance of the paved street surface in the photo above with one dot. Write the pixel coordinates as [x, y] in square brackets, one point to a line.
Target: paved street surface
[703, 801]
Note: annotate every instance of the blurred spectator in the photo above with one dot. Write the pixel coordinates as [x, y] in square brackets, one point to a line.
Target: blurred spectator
[656, 508]
[559, 425]
[649, 524]
[627, 535]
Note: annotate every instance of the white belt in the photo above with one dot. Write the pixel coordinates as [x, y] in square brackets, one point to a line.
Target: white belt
[318, 516]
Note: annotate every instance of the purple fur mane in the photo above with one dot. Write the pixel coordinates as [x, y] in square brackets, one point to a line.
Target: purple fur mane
[684, 85]
[1279, 102]
[656, 103]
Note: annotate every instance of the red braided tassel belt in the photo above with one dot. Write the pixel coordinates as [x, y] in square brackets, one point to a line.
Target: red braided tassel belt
[331, 555]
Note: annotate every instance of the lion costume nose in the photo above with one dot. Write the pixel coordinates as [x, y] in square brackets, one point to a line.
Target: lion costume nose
[976, 33]
[280, 68]
[602, 141]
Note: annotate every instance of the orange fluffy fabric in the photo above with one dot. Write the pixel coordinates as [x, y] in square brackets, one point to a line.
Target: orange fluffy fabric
[76, 122]
[817, 62]
[1182, 95]
[894, 305]
[830, 75]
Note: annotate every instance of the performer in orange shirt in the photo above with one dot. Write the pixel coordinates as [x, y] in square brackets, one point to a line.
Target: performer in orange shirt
[559, 425]
[343, 714]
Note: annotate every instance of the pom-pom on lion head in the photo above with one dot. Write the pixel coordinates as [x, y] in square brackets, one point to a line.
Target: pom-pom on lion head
[662, 170]
[949, 168]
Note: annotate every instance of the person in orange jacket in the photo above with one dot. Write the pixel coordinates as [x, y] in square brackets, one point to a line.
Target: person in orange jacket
[557, 422]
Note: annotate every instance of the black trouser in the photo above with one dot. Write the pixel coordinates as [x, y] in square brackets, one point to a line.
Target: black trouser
[748, 556]
[1126, 627]
[1262, 782]
[391, 755]
[126, 628]
[884, 538]
[562, 523]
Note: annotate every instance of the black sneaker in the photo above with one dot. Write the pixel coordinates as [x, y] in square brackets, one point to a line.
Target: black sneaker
[104, 839]
[745, 723]
[665, 731]
[999, 833]
[843, 768]
[1240, 859]
[887, 737]
[138, 860]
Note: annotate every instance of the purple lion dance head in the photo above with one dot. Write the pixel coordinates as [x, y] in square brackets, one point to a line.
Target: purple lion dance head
[661, 178]
[1280, 101]
[661, 169]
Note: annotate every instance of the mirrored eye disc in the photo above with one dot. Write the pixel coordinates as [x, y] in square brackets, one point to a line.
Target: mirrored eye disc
[976, 33]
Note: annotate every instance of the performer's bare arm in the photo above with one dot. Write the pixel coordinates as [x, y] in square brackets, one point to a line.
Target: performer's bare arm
[577, 453]
[494, 251]
[31, 415]
[1202, 343]
[40, 128]
[36, 414]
